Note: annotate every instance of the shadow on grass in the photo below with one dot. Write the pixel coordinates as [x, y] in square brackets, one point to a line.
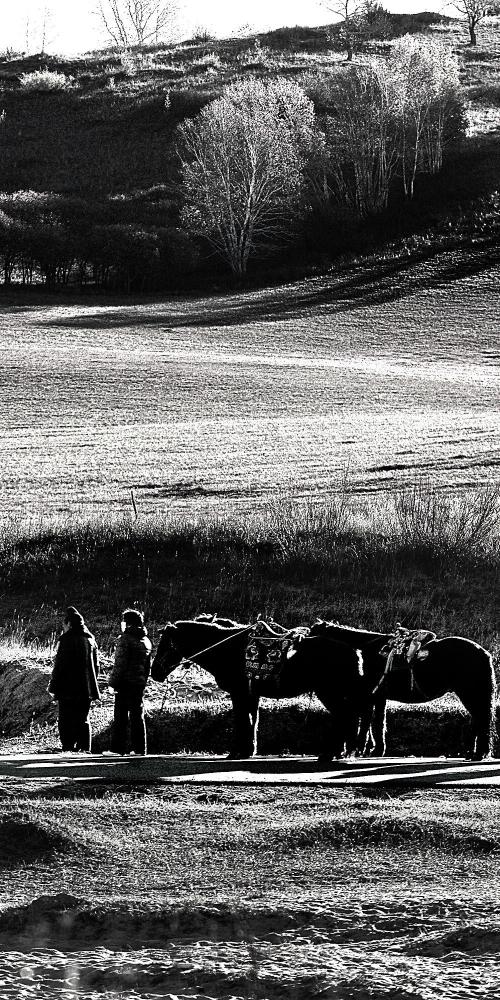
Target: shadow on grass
[368, 285]
[259, 770]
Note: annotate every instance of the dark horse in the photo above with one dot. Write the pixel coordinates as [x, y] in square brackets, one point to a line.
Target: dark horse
[452, 664]
[331, 670]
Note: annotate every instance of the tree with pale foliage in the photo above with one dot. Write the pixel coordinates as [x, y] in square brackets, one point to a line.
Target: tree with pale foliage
[361, 152]
[387, 119]
[425, 97]
[474, 11]
[244, 159]
[137, 23]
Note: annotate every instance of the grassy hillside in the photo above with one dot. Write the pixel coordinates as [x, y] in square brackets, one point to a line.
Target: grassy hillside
[111, 131]
[108, 138]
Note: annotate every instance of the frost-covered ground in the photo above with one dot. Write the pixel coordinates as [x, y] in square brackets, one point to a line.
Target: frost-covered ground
[390, 373]
[224, 894]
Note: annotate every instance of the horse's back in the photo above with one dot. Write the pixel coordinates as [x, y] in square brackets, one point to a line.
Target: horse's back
[458, 646]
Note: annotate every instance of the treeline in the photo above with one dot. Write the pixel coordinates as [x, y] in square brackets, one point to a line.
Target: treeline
[58, 240]
[262, 168]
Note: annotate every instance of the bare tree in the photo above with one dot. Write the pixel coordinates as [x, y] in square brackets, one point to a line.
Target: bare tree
[473, 11]
[361, 146]
[349, 12]
[243, 162]
[137, 22]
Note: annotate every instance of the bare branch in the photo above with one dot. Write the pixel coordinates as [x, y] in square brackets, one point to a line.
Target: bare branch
[137, 23]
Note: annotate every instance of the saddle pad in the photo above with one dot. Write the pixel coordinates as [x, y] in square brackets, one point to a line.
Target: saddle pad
[265, 657]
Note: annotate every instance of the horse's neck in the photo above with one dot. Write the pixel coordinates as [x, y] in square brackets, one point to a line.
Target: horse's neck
[197, 638]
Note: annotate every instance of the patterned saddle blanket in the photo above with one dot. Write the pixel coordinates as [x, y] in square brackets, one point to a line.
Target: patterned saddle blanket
[267, 650]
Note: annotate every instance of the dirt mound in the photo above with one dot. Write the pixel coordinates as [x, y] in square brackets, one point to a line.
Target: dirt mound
[472, 939]
[68, 921]
[23, 841]
[23, 697]
[63, 917]
[375, 831]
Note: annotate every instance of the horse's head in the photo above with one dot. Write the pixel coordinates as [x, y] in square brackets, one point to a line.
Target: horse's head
[167, 655]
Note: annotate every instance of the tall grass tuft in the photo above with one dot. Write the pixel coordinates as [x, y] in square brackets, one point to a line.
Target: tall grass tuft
[465, 524]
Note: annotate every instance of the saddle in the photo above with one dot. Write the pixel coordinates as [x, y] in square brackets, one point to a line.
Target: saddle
[268, 649]
[406, 646]
[403, 649]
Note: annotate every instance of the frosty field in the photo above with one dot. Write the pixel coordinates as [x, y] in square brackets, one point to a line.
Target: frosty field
[249, 893]
[389, 374]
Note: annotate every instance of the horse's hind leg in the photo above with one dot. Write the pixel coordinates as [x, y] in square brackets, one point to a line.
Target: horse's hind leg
[379, 726]
[483, 724]
[342, 730]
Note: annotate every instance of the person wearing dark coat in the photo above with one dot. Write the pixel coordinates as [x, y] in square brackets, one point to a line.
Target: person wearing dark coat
[128, 678]
[73, 683]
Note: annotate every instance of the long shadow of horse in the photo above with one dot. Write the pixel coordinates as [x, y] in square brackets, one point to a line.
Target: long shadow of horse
[189, 769]
[379, 283]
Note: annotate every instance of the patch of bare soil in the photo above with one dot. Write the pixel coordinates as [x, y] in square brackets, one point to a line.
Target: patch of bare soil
[23, 697]
[344, 951]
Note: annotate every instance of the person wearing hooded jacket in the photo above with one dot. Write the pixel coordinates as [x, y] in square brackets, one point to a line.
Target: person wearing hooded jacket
[73, 683]
[128, 678]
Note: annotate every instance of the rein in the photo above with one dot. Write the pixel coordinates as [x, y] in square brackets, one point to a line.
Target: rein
[208, 649]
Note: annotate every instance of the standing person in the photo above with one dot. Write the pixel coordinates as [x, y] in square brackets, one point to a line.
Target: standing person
[129, 677]
[73, 683]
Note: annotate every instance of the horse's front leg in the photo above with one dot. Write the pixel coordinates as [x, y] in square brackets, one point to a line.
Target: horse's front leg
[245, 722]
[351, 729]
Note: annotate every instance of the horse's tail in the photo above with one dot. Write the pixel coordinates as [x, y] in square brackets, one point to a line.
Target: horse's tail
[493, 720]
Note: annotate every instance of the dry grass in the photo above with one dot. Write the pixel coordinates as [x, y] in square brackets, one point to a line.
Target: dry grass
[239, 893]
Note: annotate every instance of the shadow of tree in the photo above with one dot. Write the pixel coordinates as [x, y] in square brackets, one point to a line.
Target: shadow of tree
[358, 287]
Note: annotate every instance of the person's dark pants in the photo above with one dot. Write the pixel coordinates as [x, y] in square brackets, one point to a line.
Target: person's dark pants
[129, 706]
[73, 723]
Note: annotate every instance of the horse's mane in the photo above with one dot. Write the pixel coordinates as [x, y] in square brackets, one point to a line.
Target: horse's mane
[217, 620]
[350, 628]
[220, 624]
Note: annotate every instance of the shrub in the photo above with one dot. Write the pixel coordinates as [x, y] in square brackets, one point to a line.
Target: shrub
[45, 80]
[136, 62]
[254, 57]
[211, 60]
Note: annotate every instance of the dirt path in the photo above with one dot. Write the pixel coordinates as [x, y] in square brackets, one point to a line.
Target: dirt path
[215, 770]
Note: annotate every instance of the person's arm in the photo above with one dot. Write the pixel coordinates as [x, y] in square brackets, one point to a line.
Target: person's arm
[53, 685]
[117, 668]
[147, 659]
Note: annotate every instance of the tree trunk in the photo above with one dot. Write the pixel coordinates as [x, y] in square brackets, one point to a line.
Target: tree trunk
[472, 33]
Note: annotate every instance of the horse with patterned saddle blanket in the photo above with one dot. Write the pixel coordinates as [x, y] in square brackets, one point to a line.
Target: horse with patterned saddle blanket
[262, 660]
[416, 666]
